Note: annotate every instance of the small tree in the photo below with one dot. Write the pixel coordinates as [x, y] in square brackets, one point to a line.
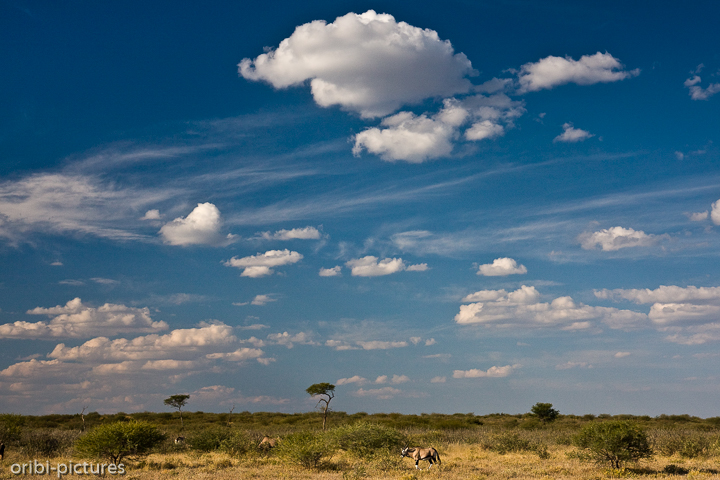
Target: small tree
[177, 402]
[323, 390]
[614, 441]
[116, 441]
[544, 412]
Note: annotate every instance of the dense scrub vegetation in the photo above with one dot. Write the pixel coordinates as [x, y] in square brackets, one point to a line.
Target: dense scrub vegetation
[362, 445]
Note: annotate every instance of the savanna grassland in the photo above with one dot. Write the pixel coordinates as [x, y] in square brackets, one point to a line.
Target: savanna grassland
[498, 446]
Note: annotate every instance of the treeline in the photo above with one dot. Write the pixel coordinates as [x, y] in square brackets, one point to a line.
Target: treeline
[272, 421]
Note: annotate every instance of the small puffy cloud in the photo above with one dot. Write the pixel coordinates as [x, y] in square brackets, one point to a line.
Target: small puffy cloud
[502, 267]
[72, 282]
[615, 238]
[412, 138]
[330, 272]
[699, 216]
[367, 63]
[420, 267]
[622, 354]
[370, 267]
[261, 300]
[715, 213]
[492, 372]
[696, 91]
[429, 342]
[384, 393]
[260, 265]
[551, 72]
[289, 341]
[679, 155]
[572, 135]
[76, 320]
[354, 379]
[381, 379]
[484, 296]
[381, 345]
[201, 227]
[438, 380]
[522, 309]
[151, 215]
[57, 263]
[307, 233]
[569, 365]
[397, 379]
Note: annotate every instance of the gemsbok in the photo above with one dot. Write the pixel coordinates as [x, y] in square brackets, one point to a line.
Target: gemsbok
[268, 443]
[417, 454]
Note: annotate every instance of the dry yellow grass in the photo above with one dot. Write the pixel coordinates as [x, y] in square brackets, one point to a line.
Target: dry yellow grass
[459, 461]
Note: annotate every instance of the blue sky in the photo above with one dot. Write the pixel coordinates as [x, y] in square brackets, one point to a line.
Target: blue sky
[466, 207]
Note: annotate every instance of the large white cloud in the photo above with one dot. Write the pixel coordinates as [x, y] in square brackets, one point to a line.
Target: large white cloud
[522, 308]
[76, 320]
[551, 71]
[201, 227]
[691, 315]
[615, 238]
[418, 138]
[259, 265]
[366, 63]
[412, 138]
[501, 267]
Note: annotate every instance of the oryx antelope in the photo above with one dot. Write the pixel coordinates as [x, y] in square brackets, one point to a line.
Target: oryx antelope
[417, 454]
[268, 442]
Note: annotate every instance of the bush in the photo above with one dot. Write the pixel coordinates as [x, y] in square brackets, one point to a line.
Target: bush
[209, 440]
[304, 448]
[614, 441]
[46, 443]
[237, 444]
[363, 438]
[116, 441]
[513, 442]
[687, 445]
[11, 428]
[544, 412]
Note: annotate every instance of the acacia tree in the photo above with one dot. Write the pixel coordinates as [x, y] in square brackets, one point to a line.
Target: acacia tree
[322, 390]
[177, 402]
[544, 412]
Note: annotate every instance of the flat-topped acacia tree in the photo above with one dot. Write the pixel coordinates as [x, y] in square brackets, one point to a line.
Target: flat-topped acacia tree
[178, 401]
[323, 390]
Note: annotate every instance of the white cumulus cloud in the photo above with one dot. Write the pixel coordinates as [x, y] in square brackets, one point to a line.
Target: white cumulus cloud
[201, 227]
[354, 379]
[715, 213]
[492, 372]
[366, 63]
[306, 233]
[572, 135]
[370, 267]
[260, 265]
[412, 138]
[76, 320]
[696, 91]
[615, 238]
[501, 267]
[330, 272]
[522, 308]
[552, 71]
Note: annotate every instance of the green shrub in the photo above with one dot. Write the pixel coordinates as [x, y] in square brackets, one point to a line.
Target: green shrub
[304, 448]
[363, 438]
[238, 444]
[614, 441]
[11, 428]
[116, 441]
[508, 442]
[47, 443]
[209, 440]
[544, 412]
